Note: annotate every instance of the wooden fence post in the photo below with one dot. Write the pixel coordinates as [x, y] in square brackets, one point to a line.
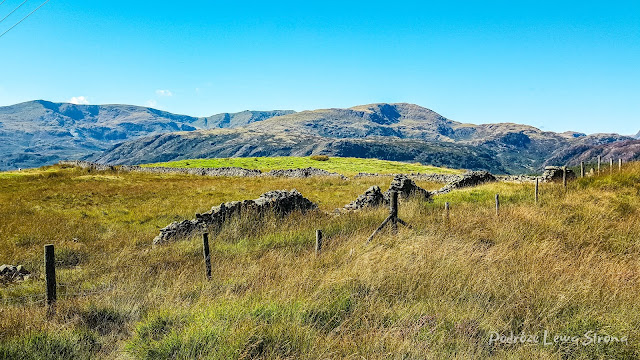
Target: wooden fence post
[50, 273]
[446, 211]
[582, 169]
[318, 241]
[207, 255]
[620, 165]
[610, 166]
[564, 177]
[393, 217]
[599, 160]
[394, 212]
[537, 188]
[497, 204]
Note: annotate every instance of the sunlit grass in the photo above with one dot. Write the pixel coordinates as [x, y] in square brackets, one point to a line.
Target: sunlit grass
[566, 265]
[345, 166]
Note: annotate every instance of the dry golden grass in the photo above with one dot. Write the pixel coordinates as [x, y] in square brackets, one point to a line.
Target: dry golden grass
[438, 290]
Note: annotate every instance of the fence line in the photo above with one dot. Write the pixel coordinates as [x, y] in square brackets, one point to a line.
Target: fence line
[51, 295]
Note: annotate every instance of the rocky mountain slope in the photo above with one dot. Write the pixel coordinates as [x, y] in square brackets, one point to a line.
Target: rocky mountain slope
[403, 132]
[628, 150]
[40, 132]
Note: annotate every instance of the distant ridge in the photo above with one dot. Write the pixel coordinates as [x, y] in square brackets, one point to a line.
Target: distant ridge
[404, 132]
[40, 132]
[37, 133]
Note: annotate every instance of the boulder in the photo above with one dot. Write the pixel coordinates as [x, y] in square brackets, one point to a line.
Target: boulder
[11, 273]
[5, 268]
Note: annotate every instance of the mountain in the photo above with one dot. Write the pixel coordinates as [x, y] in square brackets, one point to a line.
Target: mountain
[403, 132]
[243, 142]
[637, 136]
[628, 150]
[40, 132]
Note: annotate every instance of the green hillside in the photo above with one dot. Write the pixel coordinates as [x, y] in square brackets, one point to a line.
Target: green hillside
[345, 166]
[567, 266]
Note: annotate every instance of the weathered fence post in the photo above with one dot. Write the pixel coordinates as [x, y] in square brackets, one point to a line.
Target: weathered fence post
[564, 177]
[207, 255]
[582, 169]
[537, 188]
[394, 212]
[599, 160]
[318, 241]
[620, 165]
[610, 166]
[393, 217]
[50, 273]
[497, 204]
[446, 211]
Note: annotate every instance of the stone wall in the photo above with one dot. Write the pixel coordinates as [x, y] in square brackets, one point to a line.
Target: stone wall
[281, 202]
[433, 177]
[472, 178]
[373, 196]
[554, 173]
[86, 165]
[223, 171]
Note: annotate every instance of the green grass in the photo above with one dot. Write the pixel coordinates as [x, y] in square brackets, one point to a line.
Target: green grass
[345, 166]
[567, 265]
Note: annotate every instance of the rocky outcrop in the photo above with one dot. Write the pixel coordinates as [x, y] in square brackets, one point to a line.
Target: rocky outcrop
[554, 174]
[281, 202]
[472, 178]
[11, 273]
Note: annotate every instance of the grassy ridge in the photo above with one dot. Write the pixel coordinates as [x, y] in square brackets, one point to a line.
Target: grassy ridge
[345, 166]
[567, 266]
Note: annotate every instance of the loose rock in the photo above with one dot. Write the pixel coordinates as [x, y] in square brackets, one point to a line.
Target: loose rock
[11, 273]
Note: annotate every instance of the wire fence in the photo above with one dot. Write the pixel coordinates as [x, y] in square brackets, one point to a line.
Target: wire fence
[67, 290]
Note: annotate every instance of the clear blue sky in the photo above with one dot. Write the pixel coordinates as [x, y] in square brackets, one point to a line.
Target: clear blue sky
[558, 65]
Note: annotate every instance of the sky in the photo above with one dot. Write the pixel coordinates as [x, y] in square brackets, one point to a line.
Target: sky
[556, 65]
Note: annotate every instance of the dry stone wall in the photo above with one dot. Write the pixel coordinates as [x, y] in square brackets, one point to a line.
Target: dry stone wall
[281, 202]
[223, 171]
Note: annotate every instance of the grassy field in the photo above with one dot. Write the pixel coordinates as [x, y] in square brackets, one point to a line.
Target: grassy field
[567, 266]
[344, 166]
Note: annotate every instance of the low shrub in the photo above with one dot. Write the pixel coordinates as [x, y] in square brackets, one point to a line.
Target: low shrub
[319, 157]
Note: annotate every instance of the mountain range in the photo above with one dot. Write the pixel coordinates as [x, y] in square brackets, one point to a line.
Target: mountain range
[40, 132]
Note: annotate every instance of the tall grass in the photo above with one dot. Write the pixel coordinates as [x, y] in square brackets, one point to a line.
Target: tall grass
[439, 290]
